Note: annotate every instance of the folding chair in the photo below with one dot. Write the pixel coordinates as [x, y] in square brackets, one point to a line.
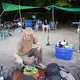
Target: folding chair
[28, 23]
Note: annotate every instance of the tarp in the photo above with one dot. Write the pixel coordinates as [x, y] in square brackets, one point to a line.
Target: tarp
[12, 7]
[64, 8]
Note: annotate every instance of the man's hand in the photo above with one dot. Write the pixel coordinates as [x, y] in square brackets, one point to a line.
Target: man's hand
[39, 49]
[17, 57]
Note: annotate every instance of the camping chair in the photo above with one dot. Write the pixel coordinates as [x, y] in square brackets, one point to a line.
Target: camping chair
[5, 31]
[28, 23]
[4, 34]
[52, 25]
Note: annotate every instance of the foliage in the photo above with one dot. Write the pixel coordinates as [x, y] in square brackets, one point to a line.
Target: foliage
[42, 3]
[51, 2]
[63, 3]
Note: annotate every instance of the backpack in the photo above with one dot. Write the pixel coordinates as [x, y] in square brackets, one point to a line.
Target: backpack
[52, 69]
[52, 72]
[54, 77]
[65, 73]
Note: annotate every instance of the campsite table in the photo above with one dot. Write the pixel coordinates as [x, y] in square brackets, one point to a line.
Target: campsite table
[19, 75]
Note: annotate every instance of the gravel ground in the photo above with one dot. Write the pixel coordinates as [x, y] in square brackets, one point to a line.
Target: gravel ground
[68, 33]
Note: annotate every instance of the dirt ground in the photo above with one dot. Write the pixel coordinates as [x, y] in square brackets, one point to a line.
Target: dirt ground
[66, 32]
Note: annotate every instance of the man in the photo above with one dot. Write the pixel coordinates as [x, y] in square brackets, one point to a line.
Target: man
[25, 47]
[45, 26]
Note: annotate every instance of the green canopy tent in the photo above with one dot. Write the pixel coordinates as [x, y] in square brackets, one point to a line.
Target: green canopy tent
[11, 7]
[74, 10]
[64, 8]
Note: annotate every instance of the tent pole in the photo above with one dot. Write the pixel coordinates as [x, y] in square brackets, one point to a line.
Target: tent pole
[52, 19]
[78, 30]
[15, 16]
[1, 15]
[20, 15]
[52, 13]
[79, 37]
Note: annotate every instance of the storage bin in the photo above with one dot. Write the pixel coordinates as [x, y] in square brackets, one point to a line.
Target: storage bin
[64, 53]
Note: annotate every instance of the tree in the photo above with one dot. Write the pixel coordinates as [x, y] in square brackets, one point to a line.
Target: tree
[63, 3]
[42, 3]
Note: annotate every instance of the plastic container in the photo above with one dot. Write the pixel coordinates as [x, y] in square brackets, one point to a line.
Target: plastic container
[28, 23]
[64, 53]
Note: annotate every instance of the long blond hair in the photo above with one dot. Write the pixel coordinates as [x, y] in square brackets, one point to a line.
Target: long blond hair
[28, 31]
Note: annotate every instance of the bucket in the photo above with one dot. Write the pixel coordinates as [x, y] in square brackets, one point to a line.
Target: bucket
[64, 53]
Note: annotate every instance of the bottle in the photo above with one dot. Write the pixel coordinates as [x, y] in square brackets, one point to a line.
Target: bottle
[67, 45]
[1, 73]
[60, 45]
[9, 76]
[63, 43]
